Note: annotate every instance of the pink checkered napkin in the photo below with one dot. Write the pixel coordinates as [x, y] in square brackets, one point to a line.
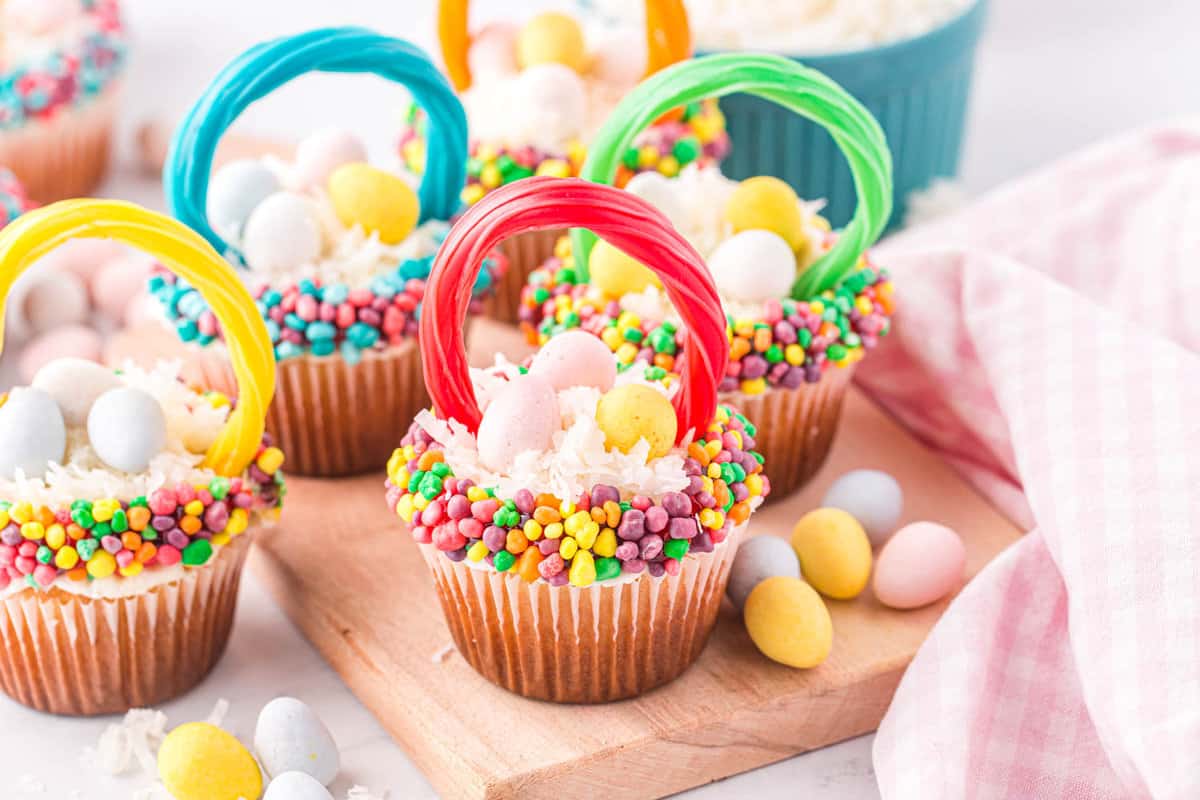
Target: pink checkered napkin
[1048, 345]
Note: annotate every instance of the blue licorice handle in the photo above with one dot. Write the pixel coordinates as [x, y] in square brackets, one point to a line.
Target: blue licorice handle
[265, 67]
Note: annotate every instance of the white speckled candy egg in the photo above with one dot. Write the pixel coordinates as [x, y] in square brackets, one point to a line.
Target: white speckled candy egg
[493, 52]
[753, 266]
[872, 497]
[234, 192]
[290, 737]
[920, 565]
[284, 232]
[658, 190]
[75, 383]
[127, 428]
[555, 100]
[758, 559]
[32, 433]
[576, 358]
[296, 786]
[522, 416]
[323, 152]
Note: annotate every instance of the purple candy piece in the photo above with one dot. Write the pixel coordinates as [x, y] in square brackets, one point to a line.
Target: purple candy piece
[547, 546]
[695, 485]
[112, 544]
[456, 555]
[706, 500]
[11, 535]
[633, 525]
[684, 528]
[603, 493]
[677, 504]
[740, 492]
[633, 566]
[177, 539]
[748, 441]
[162, 523]
[559, 579]
[651, 546]
[728, 385]
[753, 367]
[627, 551]
[524, 501]
[656, 569]
[657, 519]
[258, 476]
[701, 544]
[494, 538]
[216, 517]
[792, 379]
[785, 333]
[812, 373]
[691, 467]
[458, 507]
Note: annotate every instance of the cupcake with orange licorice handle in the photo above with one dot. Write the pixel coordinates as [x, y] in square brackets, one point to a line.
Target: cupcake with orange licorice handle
[579, 524]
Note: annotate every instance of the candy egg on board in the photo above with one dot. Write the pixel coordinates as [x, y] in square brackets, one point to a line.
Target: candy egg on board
[758, 559]
[69, 341]
[377, 201]
[296, 786]
[872, 497]
[788, 622]
[616, 274]
[619, 57]
[922, 563]
[235, 190]
[290, 737]
[753, 267]
[127, 428]
[32, 433]
[658, 190]
[75, 383]
[115, 282]
[284, 232]
[199, 761]
[834, 552]
[323, 152]
[633, 412]
[551, 38]
[575, 358]
[769, 204]
[493, 52]
[43, 299]
[554, 101]
[522, 416]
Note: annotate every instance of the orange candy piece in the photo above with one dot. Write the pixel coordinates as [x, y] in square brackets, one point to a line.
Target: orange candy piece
[139, 518]
[527, 566]
[190, 524]
[131, 541]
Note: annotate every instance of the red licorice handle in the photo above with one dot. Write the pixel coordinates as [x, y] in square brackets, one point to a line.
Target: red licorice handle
[621, 219]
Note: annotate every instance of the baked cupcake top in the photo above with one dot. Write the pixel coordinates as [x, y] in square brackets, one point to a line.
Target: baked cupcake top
[114, 476]
[566, 471]
[336, 250]
[55, 55]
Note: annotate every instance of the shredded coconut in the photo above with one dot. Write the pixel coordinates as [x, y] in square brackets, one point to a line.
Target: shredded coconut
[363, 793]
[216, 717]
[133, 742]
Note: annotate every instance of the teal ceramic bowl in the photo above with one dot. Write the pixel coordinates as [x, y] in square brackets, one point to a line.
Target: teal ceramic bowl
[918, 90]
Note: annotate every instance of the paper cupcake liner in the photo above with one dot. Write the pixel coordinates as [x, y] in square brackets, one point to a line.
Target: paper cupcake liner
[604, 642]
[795, 427]
[66, 156]
[525, 253]
[68, 654]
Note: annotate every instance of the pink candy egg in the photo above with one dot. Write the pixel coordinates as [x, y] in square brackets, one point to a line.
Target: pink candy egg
[322, 153]
[922, 563]
[493, 51]
[576, 358]
[68, 341]
[117, 282]
[83, 257]
[43, 299]
[522, 416]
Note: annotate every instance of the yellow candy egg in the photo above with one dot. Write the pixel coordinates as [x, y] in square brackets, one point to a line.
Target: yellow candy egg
[198, 761]
[788, 622]
[768, 204]
[378, 201]
[552, 37]
[633, 412]
[616, 274]
[834, 552]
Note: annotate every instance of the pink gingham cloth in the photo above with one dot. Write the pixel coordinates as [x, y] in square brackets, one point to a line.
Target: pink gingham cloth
[1048, 345]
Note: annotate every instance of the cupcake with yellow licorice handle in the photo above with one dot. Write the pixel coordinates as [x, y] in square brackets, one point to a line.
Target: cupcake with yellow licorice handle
[127, 500]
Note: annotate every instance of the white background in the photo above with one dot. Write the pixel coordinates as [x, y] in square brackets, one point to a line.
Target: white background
[1053, 75]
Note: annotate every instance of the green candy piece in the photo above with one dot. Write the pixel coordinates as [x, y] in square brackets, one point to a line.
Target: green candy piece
[774, 354]
[655, 373]
[197, 553]
[83, 517]
[441, 469]
[503, 561]
[630, 158]
[662, 341]
[852, 339]
[518, 173]
[739, 474]
[836, 352]
[804, 337]
[686, 150]
[44, 554]
[141, 502]
[565, 275]
[677, 548]
[101, 529]
[607, 568]
[634, 335]
[571, 320]
[505, 164]
[87, 548]
[218, 487]
[414, 480]
[120, 522]
[540, 295]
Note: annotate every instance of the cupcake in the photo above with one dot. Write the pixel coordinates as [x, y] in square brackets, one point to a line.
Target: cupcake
[14, 200]
[580, 524]
[803, 304]
[336, 251]
[61, 61]
[127, 499]
[536, 93]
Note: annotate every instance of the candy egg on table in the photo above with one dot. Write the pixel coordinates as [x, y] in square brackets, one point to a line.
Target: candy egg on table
[657, 189]
[127, 428]
[235, 191]
[872, 497]
[769, 204]
[788, 622]
[493, 51]
[552, 38]
[523, 416]
[322, 152]
[922, 563]
[758, 559]
[753, 266]
[283, 232]
[199, 761]
[375, 200]
[69, 341]
[289, 738]
[32, 433]
[616, 274]
[632, 412]
[74, 383]
[834, 552]
[576, 358]
[296, 786]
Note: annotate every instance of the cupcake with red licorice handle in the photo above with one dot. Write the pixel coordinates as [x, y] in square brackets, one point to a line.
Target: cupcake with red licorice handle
[803, 304]
[579, 524]
[535, 93]
[127, 499]
[335, 250]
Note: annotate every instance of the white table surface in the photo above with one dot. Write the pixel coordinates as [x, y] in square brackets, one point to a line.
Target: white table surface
[1053, 75]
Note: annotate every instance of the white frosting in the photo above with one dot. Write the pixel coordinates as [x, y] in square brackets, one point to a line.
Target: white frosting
[34, 29]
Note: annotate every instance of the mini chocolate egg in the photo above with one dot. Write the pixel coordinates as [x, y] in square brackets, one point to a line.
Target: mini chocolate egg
[68, 341]
[296, 786]
[554, 101]
[493, 52]
[44, 299]
[619, 57]
[872, 497]
[284, 232]
[633, 412]
[788, 622]
[922, 563]
[290, 737]
[753, 267]
[199, 761]
[323, 152]
[575, 358]
[32, 433]
[834, 552]
[552, 38]
[235, 190]
[75, 383]
[659, 191]
[767, 204]
[522, 416]
[377, 201]
[127, 428]
[616, 274]
[758, 559]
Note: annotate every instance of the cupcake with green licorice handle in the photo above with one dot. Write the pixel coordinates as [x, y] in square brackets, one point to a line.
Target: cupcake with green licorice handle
[335, 250]
[579, 524]
[803, 304]
[127, 499]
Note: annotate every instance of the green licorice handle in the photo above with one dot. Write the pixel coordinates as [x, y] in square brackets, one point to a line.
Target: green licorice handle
[789, 84]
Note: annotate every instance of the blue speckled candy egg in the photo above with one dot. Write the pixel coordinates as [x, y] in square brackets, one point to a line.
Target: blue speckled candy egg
[127, 428]
[758, 559]
[32, 433]
[290, 737]
[872, 497]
